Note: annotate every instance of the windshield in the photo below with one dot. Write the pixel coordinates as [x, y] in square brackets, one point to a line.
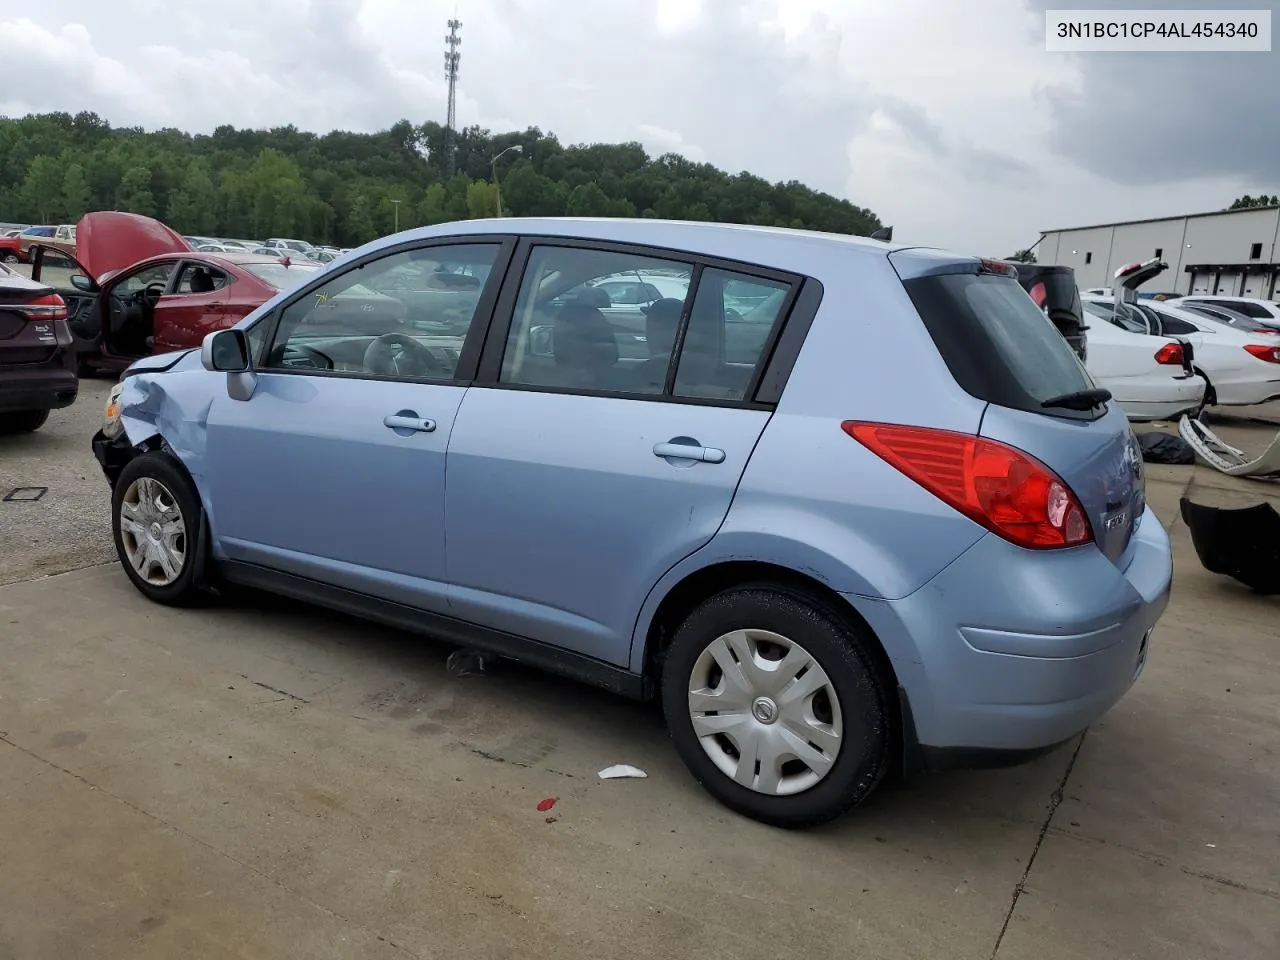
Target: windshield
[280, 276]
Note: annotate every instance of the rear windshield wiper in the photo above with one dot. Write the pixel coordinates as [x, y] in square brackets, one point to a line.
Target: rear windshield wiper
[1080, 399]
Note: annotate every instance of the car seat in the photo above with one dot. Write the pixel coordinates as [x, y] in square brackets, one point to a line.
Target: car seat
[201, 281]
[586, 350]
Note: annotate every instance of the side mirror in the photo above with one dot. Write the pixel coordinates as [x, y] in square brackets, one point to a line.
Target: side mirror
[225, 351]
[541, 343]
[81, 282]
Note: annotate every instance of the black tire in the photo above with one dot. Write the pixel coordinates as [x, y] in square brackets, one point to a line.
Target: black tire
[169, 473]
[840, 648]
[22, 421]
[11, 257]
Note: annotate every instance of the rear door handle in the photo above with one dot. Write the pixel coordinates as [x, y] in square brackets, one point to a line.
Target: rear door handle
[684, 451]
[400, 421]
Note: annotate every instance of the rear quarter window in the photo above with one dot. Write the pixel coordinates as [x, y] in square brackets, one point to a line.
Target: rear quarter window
[997, 343]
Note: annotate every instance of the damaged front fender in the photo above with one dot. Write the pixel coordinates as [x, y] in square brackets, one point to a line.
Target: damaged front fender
[164, 403]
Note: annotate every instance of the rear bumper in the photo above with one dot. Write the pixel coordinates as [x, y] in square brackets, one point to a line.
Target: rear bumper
[1158, 398]
[1008, 653]
[37, 388]
[1242, 391]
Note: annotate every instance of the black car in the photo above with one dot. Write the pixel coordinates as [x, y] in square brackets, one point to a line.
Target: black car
[37, 360]
[1054, 290]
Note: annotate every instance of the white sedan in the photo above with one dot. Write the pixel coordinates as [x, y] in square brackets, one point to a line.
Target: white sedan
[1265, 311]
[1147, 375]
[1241, 368]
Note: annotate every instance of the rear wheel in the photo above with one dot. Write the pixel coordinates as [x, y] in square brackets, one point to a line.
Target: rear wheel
[23, 421]
[11, 257]
[155, 522]
[776, 705]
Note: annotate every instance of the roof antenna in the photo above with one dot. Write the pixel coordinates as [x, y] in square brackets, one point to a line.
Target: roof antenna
[884, 233]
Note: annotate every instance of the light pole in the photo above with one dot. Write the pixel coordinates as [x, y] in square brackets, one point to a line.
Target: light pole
[396, 207]
[493, 165]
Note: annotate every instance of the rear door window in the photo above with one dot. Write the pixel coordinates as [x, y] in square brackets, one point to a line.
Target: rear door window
[997, 343]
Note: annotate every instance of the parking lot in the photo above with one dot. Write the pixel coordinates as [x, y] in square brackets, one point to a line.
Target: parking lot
[264, 780]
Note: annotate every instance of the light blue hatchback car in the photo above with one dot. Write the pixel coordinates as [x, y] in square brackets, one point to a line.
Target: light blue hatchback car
[843, 505]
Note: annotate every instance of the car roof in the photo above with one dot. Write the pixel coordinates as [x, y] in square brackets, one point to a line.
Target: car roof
[778, 247]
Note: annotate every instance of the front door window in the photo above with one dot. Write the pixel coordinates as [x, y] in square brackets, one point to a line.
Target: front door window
[391, 317]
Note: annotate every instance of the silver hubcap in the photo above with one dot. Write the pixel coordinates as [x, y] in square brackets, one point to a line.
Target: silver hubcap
[152, 532]
[765, 712]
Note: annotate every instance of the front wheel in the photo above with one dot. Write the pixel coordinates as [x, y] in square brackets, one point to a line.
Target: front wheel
[776, 705]
[11, 257]
[155, 521]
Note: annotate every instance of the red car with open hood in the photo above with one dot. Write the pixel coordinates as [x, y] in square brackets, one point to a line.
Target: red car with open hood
[135, 287]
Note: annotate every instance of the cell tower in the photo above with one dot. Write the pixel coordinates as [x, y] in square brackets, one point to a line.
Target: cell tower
[451, 58]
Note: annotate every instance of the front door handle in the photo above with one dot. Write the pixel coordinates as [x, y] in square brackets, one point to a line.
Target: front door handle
[688, 451]
[408, 421]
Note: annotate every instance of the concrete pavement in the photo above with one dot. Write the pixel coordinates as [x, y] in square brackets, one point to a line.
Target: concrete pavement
[271, 781]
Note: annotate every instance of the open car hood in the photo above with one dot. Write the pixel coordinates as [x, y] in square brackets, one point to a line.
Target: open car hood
[110, 240]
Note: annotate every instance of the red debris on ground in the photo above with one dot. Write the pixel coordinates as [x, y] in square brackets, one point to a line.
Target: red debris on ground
[547, 804]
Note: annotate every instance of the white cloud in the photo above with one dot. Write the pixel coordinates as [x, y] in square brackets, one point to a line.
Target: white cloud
[658, 141]
[944, 119]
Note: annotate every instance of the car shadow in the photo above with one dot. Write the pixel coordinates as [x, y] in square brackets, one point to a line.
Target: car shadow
[516, 714]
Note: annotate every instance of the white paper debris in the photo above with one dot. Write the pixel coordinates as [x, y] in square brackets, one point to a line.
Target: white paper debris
[620, 770]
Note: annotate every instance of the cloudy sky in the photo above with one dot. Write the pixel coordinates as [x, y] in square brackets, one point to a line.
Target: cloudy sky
[946, 118]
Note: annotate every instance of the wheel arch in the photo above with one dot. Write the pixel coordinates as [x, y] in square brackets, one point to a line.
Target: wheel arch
[156, 443]
[1210, 392]
[681, 598]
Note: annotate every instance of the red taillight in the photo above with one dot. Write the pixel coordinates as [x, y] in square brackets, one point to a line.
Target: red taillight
[1009, 492]
[1264, 351]
[1000, 268]
[52, 307]
[1170, 354]
[1038, 294]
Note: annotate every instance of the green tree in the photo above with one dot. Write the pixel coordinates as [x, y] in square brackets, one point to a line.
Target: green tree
[587, 200]
[359, 222]
[434, 206]
[1022, 256]
[42, 189]
[338, 186]
[135, 194]
[181, 213]
[482, 200]
[1245, 202]
[201, 196]
[75, 192]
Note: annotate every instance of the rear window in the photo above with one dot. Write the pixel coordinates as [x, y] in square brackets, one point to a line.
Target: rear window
[1255, 310]
[997, 343]
[280, 276]
[1061, 292]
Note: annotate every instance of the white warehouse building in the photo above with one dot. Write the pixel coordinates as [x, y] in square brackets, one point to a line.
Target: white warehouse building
[1231, 253]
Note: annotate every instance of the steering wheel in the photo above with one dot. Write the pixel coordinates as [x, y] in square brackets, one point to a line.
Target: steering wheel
[152, 291]
[398, 354]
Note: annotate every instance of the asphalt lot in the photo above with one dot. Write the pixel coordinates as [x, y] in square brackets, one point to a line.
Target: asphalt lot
[266, 780]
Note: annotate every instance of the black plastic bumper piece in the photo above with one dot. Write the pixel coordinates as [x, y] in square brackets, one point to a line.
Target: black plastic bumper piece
[112, 455]
[1241, 543]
